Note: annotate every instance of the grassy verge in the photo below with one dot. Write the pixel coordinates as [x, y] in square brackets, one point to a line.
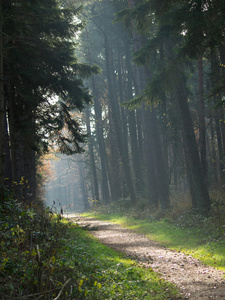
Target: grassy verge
[105, 274]
[44, 257]
[199, 241]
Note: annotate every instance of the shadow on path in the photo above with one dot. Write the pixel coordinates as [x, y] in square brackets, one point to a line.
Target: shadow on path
[195, 280]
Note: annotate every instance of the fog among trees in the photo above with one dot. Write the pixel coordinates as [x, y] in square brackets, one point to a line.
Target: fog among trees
[112, 102]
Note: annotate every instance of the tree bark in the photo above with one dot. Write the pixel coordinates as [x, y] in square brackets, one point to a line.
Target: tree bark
[216, 98]
[199, 185]
[2, 112]
[92, 158]
[202, 127]
[132, 122]
[117, 123]
[101, 144]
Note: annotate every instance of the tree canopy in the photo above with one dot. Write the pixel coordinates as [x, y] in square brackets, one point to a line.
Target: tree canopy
[43, 81]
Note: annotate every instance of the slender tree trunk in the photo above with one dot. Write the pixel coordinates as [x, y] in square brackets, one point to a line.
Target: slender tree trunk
[213, 154]
[121, 80]
[92, 158]
[101, 144]
[2, 106]
[216, 98]
[133, 127]
[221, 109]
[140, 137]
[84, 192]
[30, 184]
[13, 142]
[8, 166]
[152, 187]
[202, 127]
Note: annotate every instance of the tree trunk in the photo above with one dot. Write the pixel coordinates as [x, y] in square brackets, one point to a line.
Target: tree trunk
[84, 192]
[133, 126]
[199, 185]
[2, 112]
[101, 144]
[99, 132]
[117, 123]
[152, 188]
[92, 158]
[202, 128]
[216, 98]
[8, 166]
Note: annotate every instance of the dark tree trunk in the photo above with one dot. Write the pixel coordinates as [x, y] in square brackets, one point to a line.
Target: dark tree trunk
[92, 157]
[152, 188]
[101, 144]
[8, 167]
[133, 126]
[202, 127]
[83, 186]
[213, 156]
[157, 177]
[12, 130]
[99, 133]
[117, 123]
[216, 98]
[199, 185]
[2, 110]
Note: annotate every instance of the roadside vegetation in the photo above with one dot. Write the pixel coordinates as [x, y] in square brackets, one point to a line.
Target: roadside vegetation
[43, 256]
[181, 228]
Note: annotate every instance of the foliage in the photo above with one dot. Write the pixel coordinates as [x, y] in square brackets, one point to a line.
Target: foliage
[44, 256]
[30, 239]
[41, 53]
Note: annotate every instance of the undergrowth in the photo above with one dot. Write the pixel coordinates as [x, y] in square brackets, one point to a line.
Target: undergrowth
[42, 256]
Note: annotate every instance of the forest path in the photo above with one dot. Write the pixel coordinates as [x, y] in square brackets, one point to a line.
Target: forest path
[195, 280]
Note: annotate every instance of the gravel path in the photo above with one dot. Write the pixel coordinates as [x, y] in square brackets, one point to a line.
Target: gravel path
[194, 280]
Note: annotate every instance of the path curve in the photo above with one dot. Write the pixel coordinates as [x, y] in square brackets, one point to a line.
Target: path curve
[195, 280]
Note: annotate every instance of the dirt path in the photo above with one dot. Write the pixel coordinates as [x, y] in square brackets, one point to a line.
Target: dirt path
[194, 280]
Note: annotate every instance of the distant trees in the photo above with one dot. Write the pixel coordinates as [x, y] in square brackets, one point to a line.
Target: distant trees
[156, 123]
[173, 136]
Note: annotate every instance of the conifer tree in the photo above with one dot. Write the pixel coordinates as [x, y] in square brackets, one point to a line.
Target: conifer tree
[2, 144]
[43, 80]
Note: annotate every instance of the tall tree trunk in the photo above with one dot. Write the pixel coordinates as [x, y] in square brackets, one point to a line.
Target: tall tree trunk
[216, 98]
[91, 154]
[199, 184]
[8, 166]
[152, 188]
[121, 80]
[2, 106]
[101, 144]
[99, 132]
[117, 123]
[202, 127]
[84, 192]
[133, 126]
[213, 154]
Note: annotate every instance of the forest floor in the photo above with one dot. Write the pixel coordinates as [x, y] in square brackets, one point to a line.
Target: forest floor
[194, 280]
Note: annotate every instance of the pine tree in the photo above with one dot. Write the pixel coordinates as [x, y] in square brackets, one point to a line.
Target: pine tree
[44, 81]
[2, 107]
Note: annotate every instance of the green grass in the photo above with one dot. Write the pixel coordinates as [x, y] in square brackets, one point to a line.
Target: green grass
[105, 274]
[195, 241]
[43, 256]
